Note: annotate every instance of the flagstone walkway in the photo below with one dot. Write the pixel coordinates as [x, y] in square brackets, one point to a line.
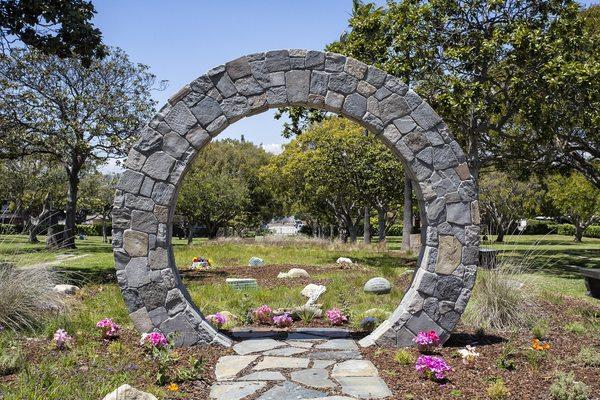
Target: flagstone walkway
[311, 363]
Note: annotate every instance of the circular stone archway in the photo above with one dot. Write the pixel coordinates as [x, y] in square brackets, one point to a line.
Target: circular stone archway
[147, 191]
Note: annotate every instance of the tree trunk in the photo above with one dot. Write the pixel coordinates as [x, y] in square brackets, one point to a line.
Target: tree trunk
[381, 224]
[190, 235]
[331, 232]
[213, 231]
[351, 232]
[367, 225]
[71, 211]
[32, 234]
[501, 233]
[104, 234]
[407, 213]
[578, 232]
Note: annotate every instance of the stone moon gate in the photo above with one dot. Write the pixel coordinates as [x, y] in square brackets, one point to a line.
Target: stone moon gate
[147, 191]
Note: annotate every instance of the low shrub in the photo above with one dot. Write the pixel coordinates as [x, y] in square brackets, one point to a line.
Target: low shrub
[589, 356]
[575, 327]
[497, 390]
[540, 329]
[12, 360]
[506, 358]
[27, 295]
[565, 387]
[404, 357]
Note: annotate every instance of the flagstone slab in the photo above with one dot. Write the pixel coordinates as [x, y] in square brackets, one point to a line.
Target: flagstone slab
[316, 378]
[327, 333]
[255, 345]
[300, 343]
[338, 344]
[282, 363]
[364, 387]
[286, 351]
[354, 368]
[322, 363]
[340, 355]
[264, 376]
[289, 391]
[229, 366]
[235, 390]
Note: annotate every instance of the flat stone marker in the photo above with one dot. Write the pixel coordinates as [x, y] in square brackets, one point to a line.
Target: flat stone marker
[228, 366]
[264, 376]
[364, 387]
[316, 378]
[235, 390]
[338, 344]
[378, 286]
[282, 363]
[242, 283]
[354, 368]
[256, 345]
[288, 390]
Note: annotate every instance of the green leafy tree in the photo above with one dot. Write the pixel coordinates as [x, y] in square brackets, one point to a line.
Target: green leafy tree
[505, 199]
[54, 27]
[77, 117]
[577, 199]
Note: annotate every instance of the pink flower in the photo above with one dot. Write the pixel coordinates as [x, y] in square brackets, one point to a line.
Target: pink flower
[110, 329]
[283, 321]
[154, 339]
[432, 367]
[336, 317]
[263, 314]
[217, 319]
[61, 339]
[427, 341]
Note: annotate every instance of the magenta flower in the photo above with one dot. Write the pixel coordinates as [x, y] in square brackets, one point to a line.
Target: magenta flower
[61, 339]
[283, 321]
[427, 341]
[154, 339]
[263, 314]
[434, 368]
[110, 329]
[217, 319]
[336, 317]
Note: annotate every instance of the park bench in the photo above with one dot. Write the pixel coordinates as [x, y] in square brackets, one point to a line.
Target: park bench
[592, 280]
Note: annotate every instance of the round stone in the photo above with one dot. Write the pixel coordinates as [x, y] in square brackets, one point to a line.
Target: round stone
[378, 286]
[256, 262]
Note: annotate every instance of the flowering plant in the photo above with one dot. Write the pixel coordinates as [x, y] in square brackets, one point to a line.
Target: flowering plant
[217, 320]
[154, 340]
[263, 314]
[62, 339]
[200, 262]
[283, 320]
[110, 329]
[335, 316]
[427, 341]
[468, 354]
[431, 367]
[539, 346]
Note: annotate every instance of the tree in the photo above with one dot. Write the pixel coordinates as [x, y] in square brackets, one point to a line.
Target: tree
[332, 172]
[97, 193]
[223, 188]
[504, 199]
[577, 199]
[29, 184]
[73, 115]
[54, 27]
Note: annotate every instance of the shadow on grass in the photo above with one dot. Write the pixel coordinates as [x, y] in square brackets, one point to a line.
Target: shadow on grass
[81, 276]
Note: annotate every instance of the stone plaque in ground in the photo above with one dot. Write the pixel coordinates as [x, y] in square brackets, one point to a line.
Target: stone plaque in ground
[378, 286]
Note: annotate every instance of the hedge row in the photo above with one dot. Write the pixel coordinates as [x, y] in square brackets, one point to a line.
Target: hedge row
[535, 227]
[88, 230]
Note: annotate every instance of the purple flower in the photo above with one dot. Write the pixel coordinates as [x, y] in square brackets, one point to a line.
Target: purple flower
[110, 329]
[154, 339]
[263, 314]
[61, 339]
[427, 341]
[283, 321]
[432, 367]
[336, 317]
[217, 319]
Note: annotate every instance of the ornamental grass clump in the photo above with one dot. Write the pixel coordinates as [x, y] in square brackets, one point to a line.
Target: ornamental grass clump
[283, 320]
[109, 329]
[27, 296]
[336, 317]
[434, 368]
[427, 341]
[263, 314]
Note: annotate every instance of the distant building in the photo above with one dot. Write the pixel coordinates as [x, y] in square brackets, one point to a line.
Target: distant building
[285, 226]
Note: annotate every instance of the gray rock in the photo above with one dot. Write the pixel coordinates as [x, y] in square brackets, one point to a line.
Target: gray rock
[365, 387]
[66, 289]
[289, 390]
[297, 83]
[256, 345]
[316, 378]
[206, 111]
[335, 355]
[271, 362]
[378, 285]
[228, 367]
[354, 368]
[234, 390]
[126, 392]
[263, 376]
[256, 262]
[338, 344]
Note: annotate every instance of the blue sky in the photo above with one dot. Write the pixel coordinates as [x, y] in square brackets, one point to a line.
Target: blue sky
[180, 40]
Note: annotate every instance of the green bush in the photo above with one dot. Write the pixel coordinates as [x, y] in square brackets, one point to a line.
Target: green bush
[12, 360]
[10, 229]
[535, 227]
[93, 230]
[540, 329]
[592, 231]
[497, 390]
[589, 356]
[395, 230]
[566, 229]
[404, 357]
[565, 387]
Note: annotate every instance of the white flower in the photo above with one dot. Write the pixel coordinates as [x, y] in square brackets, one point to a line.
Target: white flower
[143, 339]
[468, 354]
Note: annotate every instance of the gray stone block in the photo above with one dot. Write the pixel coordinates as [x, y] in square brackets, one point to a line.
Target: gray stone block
[342, 83]
[278, 60]
[158, 165]
[235, 108]
[392, 107]
[334, 101]
[375, 77]
[175, 145]
[206, 111]
[162, 193]
[150, 141]
[180, 119]
[248, 86]
[297, 83]
[355, 106]
[315, 60]
[458, 213]
[425, 117]
[318, 82]
[130, 181]
[277, 96]
[238, 68]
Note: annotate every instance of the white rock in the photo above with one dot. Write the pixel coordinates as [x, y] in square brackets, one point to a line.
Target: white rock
[126, 392]
[313, 292]
[66, 289]
[378, 286]
[294, 273]
[344, 260]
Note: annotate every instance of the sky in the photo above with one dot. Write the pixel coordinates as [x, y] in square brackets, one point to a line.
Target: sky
[182, 39]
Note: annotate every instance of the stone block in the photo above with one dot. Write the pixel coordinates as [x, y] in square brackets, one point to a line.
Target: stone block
[334, 101]
[130, 181]
[375, 76]
[235, 108]
[206, 111]
[278, 60]
[238, 68]
[449, 255]
[135, 243]
[248, 86]
[425, 116]
[355, 68]
[318, 82]
[342, 83]
[297, 83]
[162, 193]
[180, 119]
[458, 213]
[355, 106]
[315, 60]
[175, 145]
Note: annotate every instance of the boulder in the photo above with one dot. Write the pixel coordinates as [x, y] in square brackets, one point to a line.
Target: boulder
[256, 262]
[344, 260]
[294, 273]
[313, 292]
[126, 392]
[378, 286]
[66, 289]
